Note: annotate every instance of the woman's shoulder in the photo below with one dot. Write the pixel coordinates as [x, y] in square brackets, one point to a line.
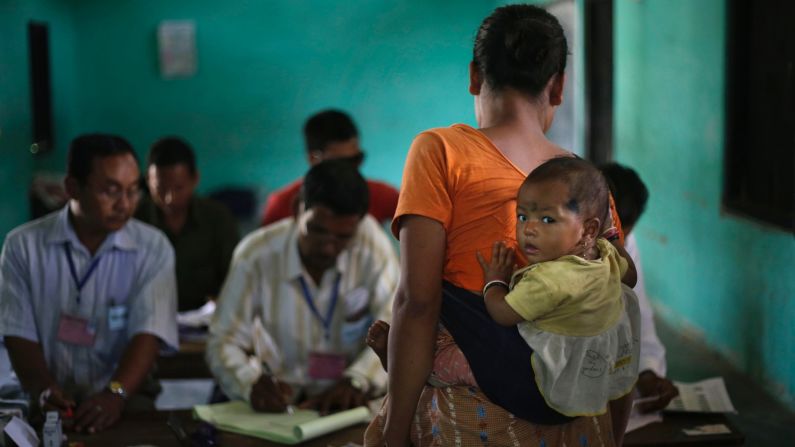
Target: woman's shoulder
[453, 132]
[455, 142]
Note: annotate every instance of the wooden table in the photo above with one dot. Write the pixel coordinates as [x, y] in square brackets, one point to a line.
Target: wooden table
[151, 429]
[670, 432]
[188, 363]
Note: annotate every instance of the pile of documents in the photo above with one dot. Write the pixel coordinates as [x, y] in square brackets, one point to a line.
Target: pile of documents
[238, 417]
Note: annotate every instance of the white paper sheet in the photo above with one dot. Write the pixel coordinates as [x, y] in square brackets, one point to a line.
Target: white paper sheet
[706, 396]
[21, 433]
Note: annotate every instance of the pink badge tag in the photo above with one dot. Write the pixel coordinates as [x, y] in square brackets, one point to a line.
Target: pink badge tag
[325, 365]
[75, 330]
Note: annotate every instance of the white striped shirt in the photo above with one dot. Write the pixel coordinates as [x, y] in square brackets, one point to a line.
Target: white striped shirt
[263, 285]
[652, 351]
[135, 269]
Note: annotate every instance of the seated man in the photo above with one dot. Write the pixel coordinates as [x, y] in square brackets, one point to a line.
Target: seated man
[631, 196]
[202, 231]
[328, 135]
[301, 293]
[87, 294]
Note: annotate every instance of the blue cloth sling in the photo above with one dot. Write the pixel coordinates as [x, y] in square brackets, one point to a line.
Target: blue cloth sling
[498, 355]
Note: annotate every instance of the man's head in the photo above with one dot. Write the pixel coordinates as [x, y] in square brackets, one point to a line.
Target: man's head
[629, 192]
[171, 174]
[331, 134]
[334, 199]
[102, 181]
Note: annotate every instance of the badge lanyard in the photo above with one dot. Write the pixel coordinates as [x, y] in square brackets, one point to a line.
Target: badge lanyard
[326, 322]
[79, 283]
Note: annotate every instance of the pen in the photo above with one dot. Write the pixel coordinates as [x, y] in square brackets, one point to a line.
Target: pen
[269, 372]
[646, 399]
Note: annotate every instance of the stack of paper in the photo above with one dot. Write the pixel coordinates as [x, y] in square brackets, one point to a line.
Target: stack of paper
[238, 417]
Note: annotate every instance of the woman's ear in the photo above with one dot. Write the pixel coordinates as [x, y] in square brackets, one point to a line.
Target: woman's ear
[556, 89]
[474, 79]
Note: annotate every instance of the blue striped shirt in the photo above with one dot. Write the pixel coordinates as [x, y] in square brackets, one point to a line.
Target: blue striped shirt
[135, 269]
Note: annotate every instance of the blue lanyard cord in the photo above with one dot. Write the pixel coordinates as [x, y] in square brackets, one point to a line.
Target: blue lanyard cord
[326, 322]
[79, 283]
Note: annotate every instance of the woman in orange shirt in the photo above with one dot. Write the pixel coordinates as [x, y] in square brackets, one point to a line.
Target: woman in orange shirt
[457, 198]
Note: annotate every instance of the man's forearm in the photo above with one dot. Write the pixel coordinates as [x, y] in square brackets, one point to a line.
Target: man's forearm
[27, 358]
[137, 362]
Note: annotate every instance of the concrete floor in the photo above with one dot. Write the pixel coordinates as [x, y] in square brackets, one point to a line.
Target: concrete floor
[764, 420]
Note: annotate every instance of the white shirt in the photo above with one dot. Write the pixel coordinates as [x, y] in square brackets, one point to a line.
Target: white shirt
[652, 351]
[264, 316]
[135, 270]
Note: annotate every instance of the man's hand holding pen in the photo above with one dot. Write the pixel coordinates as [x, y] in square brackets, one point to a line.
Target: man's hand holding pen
[271, 395]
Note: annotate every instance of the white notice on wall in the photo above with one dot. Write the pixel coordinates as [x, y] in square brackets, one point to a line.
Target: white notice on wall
[176, 41]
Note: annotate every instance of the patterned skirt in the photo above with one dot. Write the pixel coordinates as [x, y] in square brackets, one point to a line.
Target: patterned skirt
[463, 416]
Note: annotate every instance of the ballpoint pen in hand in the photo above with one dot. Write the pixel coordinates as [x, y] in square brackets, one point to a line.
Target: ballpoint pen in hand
[267, 369]
[264, 343]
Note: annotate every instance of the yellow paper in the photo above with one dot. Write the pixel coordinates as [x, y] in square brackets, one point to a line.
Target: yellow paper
[238, 417]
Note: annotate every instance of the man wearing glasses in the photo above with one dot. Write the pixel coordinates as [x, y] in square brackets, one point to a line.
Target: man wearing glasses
[87, 294]
[293, 314]
[331, 134]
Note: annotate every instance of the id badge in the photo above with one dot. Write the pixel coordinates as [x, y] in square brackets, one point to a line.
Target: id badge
[76, 330]
[117, 317]
[354, 333]
[326, 365]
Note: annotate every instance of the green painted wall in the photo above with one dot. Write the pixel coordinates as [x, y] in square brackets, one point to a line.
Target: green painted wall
[263, 67]
[17, 164]
[726, 278]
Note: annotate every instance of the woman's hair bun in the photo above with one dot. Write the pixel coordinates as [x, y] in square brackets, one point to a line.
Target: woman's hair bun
[520, 46]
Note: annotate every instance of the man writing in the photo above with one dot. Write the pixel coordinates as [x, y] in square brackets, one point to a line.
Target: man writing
[87, 294]
[300, 295]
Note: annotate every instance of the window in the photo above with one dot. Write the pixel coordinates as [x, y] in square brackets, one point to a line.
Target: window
[760, 112]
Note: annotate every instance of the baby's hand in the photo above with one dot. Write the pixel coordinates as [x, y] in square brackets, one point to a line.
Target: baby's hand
[501, 265]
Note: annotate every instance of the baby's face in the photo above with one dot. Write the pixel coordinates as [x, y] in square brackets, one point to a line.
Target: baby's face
[546, 228]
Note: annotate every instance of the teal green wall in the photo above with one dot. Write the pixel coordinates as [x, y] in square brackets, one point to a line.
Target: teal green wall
[17, 164]
[727, 279]
[263, 67]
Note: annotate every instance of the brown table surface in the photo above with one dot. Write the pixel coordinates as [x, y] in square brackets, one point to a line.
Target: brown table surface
[670, 432]
[151, 429]
[188, 363]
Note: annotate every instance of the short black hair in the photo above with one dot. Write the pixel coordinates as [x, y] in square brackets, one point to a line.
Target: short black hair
[170, 151]
[328, 126]
[629, 192]
[337, 185]
[588, 191]
[85, 148]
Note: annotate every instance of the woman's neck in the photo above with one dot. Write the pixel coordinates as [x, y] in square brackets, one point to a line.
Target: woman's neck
[516, 126]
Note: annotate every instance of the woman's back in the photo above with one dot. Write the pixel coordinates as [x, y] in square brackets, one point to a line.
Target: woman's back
[458, 177]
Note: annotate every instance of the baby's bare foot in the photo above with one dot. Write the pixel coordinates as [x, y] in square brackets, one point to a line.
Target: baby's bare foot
[378, 340]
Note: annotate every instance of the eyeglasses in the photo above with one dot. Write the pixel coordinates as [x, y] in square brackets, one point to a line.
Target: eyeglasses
[321, 235]
[355, 160]
[113, 193]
